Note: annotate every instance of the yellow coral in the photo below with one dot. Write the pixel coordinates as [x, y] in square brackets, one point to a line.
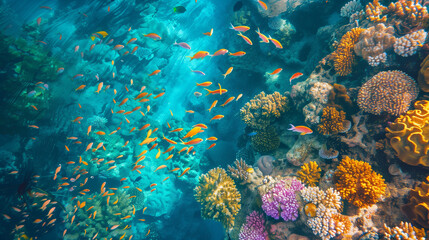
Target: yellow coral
[409, 135]
[309, 173]
[219, 196]
[405, 231]
[263, 109]
[374, 10]
[344, 56]
[417, 209]
[266, 140]
[332, 121]
[423, 78]
[358, 183]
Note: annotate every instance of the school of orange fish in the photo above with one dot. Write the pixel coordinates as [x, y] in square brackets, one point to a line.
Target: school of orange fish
[150, 142]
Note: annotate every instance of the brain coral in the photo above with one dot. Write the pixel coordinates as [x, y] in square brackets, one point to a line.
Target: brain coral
[219, 196]
[332, 121]
[263, 109]
[374, 41]
[358, 183]
[409, 135]
[417, 208]
[266, 140]
[309, 173]
[389, 91]
[344, 56]
[423, 78]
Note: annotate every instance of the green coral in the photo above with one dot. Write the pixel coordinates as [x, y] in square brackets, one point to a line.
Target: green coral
[85, 226]
[266, 140]
[219, 197]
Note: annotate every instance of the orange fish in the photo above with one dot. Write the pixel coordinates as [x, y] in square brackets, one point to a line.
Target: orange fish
[295, 76]
[123, 102]
[278, 70]
[193, 141]
[80, 87]
[185, 171]
[220, 52]
[227, 72]
[155, 72]
[159, 95]
[100, 86]
[262, 37]
[212, 106]
[160, 167]
[238, 54]
[248, 41]
[300, 129]
[200, 125]
[131, 40]
[192, 132]
[154, 36]
[211, 139]
[213, 144]
[199, 55]
[217, 91]
[240, 28]
[35, 108]
[227, 101]
[100, 133]
[275, 42]
[33, 126]
[204, 84]
[217, 117]
[263, 5]
[208, 33]
[37, 221]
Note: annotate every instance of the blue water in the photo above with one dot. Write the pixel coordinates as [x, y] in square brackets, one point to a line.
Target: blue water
[172, 212]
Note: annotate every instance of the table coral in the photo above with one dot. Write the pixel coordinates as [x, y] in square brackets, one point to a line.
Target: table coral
[373, 43]
[254, 228]
[219, 197]
[281, 201]
[358, 183]
[263, 109]
[332, 121]
[309, 173]
[408, 135]
[266, 140]
[344, 57]
[388, 91]
[417, 208]
[423, 78]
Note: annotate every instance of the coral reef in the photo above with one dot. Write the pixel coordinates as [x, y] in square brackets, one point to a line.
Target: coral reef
[404, 231]
[309, 173]
[374, 42]
[408, 135]
[239, 172]
[328, 153]
[218, 196]
[333, 121]
[412, 14]
[423, 78]
[95, 216]
[263, 109]
[374, 11]
[350, 8]
[254, 228]
[417, 208]
[409, 44]
[280, 201]
[388, 91]
[265, 164]
[344, 57]
[358, 183]
[266, 140]
[323, 211]
[339, 98]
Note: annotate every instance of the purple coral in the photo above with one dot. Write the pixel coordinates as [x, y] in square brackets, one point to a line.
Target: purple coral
[281, 200]
[254, 228]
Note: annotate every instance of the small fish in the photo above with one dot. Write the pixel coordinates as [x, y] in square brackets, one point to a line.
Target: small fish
[213, 105]
[204, 84]
[211, 139]
[60, 70]
[197, 72]
[217, 117]
[263, 5]
[238, 54]
[183, 173]
[39, 20]
[250, 170]
[154, 36]
[160, 167]
[194, 131]
[197, 94]
[100, 86]
[213, 144]
[77, 76]
[248, 41]
[278, 70]
[295, 76]
[220, 52]
[227, 101]
[118, 47]
[183, 45]
[80, 87]
[210, 33]
[240, 28]
[301, 129]
[155, 72]
[159, 95]
[131, 40]
[199, 55]
[275, 42]
[227, 72]
[76, 48]
[262, 37]
[37, 221]
[179, 9]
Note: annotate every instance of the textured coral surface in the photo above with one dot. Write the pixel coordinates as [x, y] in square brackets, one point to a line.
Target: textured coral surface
[344, 56]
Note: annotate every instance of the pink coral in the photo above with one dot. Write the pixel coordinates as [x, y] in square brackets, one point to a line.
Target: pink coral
[254, 228]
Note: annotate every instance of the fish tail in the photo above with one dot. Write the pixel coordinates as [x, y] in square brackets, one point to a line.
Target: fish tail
[224, 76]
[190, 57]
[292, 127]
[208, 91]
[232, 26]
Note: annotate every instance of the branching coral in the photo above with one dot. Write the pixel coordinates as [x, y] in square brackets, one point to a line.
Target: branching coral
[405, 231]
[358, 183]
[309, 173]
[417, 208]
[350, 8]
[263, 109]
[280, 201]
[266, 140]
[374, 11]
[409, 135]
[332, 121]
[344, 57]
[407, 45]
[323, 211]
[389, 91]
[254, 228]
[98, 214]
[423, 78]
[374, 41]
[239, 172]
[219, 197]
[411, 13]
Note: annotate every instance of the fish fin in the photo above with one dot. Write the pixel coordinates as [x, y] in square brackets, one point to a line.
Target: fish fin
[92, 38]
[291, 127]
[208, 91]
[303, 133]
[232, 26]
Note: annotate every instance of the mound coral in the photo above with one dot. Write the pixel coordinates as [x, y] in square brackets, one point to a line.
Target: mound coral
[281, 200]
[239, 172]
[373, 43]
[389, 91]
[219, 197]
[266, 140]
[339, 98]
[332, 121]
[309, 173]
[96, 216]
[263, 109]
[323, 211]
[417, 208]
[423, 78]
[344, 57]
[407, 45]
[265, 164]
[358, 183]
[254, 228]
[404, 231]
[409, 135]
